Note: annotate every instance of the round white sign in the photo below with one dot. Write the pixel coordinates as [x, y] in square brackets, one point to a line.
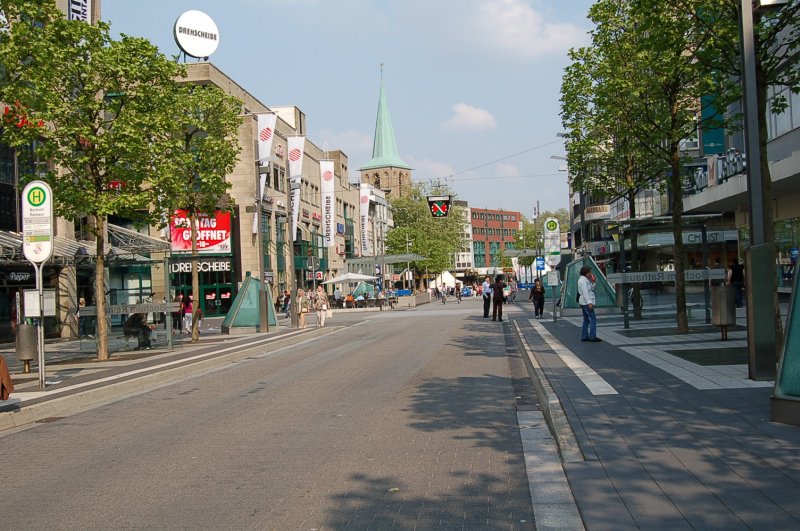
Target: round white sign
[196, 34]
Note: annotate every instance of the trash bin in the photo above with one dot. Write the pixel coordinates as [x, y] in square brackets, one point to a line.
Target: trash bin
[26, 345]
[723, 308]
[619, 293]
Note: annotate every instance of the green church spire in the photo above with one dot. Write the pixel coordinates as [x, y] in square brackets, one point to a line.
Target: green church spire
[384, 146]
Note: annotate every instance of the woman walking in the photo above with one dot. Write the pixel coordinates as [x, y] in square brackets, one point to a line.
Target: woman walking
[321, 306]
[187, 308]
[537, 296]
[302, 308]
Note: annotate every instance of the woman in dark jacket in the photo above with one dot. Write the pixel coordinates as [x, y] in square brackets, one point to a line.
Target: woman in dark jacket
[497, 298]
[537, 296]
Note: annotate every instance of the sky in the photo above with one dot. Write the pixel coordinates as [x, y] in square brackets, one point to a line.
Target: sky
[472, 85]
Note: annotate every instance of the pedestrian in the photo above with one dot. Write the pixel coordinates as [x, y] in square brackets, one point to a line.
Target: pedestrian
[587, 301]
[187, 309]
[177, 318]
[736, 279]
[486, 290]
[302, 308]
[537, 296]
[286, 301]
[498, 298]
[85, 322]
[321, 306]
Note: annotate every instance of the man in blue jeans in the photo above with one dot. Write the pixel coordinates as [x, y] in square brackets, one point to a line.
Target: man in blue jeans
[586, 300]
[487, 297]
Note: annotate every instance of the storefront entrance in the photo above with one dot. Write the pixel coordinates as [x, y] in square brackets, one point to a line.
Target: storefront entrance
[217, 287]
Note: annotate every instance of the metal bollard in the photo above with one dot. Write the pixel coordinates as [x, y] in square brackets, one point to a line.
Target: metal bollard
[26, 345]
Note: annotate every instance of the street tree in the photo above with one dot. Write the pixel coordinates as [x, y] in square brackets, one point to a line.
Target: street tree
[104, 106]
[644, 49]
[204, 148]
[417, 231]
[776, 47]
[604, 156]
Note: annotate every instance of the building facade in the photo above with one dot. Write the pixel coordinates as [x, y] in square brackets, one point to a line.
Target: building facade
[493, 231]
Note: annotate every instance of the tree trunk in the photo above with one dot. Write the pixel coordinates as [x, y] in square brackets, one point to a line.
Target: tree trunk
[195, 280]
[767, 199]
[676, 189]
[100, 290]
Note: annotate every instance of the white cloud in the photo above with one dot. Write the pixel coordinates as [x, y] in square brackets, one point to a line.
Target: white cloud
[355, 144]
[427, 169]
[468, 118]
[507, 170]
[514, 28]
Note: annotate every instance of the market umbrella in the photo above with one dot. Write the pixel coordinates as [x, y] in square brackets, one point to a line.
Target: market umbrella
[348, 277]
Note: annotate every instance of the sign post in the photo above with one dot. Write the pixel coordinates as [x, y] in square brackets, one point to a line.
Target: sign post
[552, 242]
[552, 252]
[37, 246]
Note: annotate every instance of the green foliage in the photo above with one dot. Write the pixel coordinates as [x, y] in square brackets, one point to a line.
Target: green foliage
[437, 239]
[204, 149]
[105, 105]
[532, 234]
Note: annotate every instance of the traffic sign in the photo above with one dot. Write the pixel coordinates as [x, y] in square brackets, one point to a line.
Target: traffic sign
[312, 263]
[37, 222]
[552, 241]
[439, 205]
[540, 263]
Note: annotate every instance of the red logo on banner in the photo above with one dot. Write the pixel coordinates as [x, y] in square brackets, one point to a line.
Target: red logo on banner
[327, 176]
[213, 232]
[365, 199]
[265, 134]
[294, 155]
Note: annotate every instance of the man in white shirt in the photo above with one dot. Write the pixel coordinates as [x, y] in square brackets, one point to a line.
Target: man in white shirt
[486, 290]
[586, 300]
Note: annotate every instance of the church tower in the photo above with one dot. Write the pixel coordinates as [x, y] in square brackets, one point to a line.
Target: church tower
[386, 170]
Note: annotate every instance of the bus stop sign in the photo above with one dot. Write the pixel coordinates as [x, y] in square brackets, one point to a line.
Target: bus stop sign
[37, 222]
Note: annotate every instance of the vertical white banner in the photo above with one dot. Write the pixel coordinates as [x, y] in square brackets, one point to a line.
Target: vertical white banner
[296, 145]
[328, 202]
[266, 134]
[364, 217]
[79, 10]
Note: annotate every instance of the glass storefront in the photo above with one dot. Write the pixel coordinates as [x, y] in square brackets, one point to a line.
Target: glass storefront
[217, 287]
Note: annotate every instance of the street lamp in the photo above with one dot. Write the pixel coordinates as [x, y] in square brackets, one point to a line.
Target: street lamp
[581, 204]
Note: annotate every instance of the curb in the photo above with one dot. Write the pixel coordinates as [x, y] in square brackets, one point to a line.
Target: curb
[111, 392]
[550, 405]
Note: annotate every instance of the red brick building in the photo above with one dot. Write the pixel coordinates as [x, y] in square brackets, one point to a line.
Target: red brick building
[492, 231]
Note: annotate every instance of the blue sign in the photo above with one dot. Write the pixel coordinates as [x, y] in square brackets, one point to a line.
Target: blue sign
[793, 253]
[540, 263]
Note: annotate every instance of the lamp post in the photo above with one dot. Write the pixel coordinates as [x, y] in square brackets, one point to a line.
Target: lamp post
[581, 205]
[760, 266]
